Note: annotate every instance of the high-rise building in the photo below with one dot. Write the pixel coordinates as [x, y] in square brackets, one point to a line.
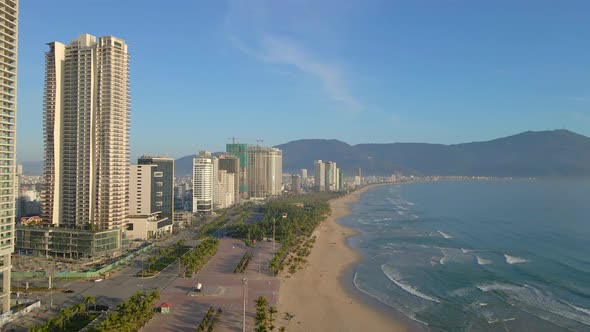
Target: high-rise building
[304, 173]
[203, 182]
[231, 164]
[86, 130]
[240, 151]
[9, 42]
[145, 219]
[331, 176]
[265, 171]
[295, 183]
[227, 187]
[319, 175]
[162, 185]
[140, 189]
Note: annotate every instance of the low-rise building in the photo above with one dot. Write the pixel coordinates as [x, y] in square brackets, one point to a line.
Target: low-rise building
[48, 240]
[144, 227]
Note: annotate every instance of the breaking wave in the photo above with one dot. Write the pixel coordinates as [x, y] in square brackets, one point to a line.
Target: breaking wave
[514, 259]
[445, 235]
[394, 276]
[483, 261]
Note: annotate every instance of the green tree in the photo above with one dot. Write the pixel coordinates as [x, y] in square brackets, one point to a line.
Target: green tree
[90, 300]
[272, 311]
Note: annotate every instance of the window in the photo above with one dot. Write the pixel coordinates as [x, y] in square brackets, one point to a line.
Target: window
[158, 203]
[158, 174]
[159, 194]
[159, 184]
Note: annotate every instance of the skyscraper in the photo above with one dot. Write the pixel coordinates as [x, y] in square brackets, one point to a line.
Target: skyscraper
[231, 164]
[304, 173]
[9, 42]
[295, 183]
[203, 182]
[86, 130]
[319, 174]
[331, 176]
[240, 151]
[162, 184]
[265, 171]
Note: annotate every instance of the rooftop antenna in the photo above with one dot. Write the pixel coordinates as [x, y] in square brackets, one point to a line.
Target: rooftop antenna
[233, 139]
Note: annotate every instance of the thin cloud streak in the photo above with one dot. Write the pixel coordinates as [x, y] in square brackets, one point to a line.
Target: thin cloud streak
[270, 48]
[286, 52]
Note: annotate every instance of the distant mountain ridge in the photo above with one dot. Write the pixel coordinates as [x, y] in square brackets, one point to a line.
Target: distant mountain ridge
[539, 154]
[531, 153]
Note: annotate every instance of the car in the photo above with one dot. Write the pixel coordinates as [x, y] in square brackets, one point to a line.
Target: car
[69, 291]
[98, 280]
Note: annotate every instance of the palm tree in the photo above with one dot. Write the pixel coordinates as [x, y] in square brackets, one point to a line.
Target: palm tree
[261, 318]
[271, 319]
[90, 300]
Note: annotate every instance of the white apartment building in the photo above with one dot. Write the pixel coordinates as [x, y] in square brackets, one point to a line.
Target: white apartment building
[226, 185]
[140, 193]
[8, 68]
[331, 176]
[203, 182]
[86, 131]
[319, 175]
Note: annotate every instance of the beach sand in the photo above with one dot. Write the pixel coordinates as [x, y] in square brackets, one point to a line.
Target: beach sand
[316, 296]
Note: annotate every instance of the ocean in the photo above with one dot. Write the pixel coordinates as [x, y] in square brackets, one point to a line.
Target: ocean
[478, 256]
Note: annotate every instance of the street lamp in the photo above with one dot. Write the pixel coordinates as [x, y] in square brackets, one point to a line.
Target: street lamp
[244, 287]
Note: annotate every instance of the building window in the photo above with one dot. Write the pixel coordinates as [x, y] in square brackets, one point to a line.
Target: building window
[159, 184]
[159, 194]
[158, 174]
[158, 203]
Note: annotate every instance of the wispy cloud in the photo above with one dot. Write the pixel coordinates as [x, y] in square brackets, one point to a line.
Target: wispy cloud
[275, 49]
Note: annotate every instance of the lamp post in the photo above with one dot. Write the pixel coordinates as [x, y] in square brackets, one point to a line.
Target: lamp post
[244, 287]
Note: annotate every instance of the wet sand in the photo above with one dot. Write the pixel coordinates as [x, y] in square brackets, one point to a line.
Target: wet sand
[316, 295]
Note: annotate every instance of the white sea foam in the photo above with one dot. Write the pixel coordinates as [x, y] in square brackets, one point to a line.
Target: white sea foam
[466, 250]
[584, 310]
[394, 276]
[461, 292]
[483, 261]
[498, 287]
[403, 310]
[401, 207]
[410, 203]
[514, 259]
[445, 235]
[401, 213]
[533, 297]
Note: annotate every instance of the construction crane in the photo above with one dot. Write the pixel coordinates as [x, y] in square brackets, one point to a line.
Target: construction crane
[233, 139]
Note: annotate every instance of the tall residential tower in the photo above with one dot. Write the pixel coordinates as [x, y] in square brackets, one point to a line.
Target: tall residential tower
[86, 130]
[9, 41]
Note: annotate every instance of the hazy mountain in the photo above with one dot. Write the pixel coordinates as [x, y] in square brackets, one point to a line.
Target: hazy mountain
[184, 166]
[32, 168]
[541, 153]
[544, 153]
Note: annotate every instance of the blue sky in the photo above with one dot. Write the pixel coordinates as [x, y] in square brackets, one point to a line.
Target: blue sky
[359, 71]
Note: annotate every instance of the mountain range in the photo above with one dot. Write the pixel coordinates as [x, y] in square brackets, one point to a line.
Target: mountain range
[528, 154]
[538, 154]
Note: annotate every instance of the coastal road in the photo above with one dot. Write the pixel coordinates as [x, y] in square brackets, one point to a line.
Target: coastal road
[110, 292]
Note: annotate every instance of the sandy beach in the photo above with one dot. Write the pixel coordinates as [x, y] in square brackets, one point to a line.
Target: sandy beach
[316, 296]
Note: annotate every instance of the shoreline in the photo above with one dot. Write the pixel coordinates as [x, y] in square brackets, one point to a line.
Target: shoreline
[321, 296]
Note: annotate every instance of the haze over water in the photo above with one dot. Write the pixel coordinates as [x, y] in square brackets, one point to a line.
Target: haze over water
[473, 256]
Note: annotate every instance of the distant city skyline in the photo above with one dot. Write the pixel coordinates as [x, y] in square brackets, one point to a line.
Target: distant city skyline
[376, 71]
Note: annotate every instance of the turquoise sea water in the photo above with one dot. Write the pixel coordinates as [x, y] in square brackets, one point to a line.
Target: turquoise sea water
[478, 256]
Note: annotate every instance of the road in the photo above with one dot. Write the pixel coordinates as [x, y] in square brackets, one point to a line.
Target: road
[110, 292]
